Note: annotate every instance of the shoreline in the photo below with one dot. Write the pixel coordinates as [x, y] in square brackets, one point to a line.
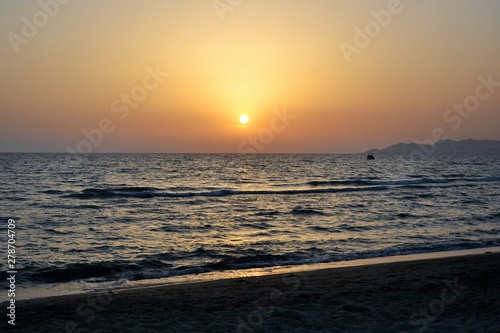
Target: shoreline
[302, 268]
[64, 291]
[444, 294]
[263, 271]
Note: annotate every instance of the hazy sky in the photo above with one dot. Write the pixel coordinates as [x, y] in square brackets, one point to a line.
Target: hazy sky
[312, 75]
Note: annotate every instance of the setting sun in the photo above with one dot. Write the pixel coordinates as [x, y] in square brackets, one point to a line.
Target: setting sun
[243, 119]
[151, 141]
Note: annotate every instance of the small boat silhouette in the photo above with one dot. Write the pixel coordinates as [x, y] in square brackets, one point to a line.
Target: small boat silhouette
[370, 157]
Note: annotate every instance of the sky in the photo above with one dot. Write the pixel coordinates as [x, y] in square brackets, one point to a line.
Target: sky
[315, 76]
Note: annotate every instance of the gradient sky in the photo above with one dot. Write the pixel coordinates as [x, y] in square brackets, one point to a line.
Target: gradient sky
[258, 57]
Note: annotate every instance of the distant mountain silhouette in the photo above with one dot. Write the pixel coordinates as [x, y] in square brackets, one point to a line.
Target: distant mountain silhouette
[469, 146]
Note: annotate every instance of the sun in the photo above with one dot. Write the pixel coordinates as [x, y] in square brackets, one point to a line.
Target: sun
[244, 119]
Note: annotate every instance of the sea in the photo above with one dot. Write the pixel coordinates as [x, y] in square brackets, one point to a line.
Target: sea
[104, 221]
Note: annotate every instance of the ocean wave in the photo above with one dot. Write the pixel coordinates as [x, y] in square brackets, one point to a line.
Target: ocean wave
[253, 261]
[313, 187]
[58, 232]
[95, 193]
[420, 181]
[267, 213]
[159, 266]
[84, 271]
[359, 182]
[306, 211]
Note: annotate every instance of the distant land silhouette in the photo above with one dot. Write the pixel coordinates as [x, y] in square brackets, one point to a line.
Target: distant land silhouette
[469, 146]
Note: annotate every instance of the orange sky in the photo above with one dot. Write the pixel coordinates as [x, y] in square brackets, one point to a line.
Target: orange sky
[67, 70]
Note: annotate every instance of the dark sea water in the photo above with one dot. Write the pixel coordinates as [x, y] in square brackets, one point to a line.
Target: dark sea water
[114, 219]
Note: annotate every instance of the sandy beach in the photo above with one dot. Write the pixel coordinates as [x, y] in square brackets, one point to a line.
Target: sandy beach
[458, 294]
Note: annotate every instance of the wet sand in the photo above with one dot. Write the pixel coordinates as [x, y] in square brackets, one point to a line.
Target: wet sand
[456, 294]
